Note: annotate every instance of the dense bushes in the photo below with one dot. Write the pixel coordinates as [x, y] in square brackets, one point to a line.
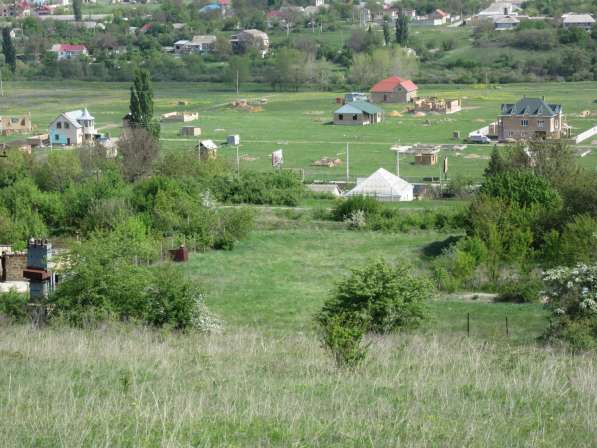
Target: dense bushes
[79, 192]
[109, 277]
[280, 188]
[13, 306]
[361, 212]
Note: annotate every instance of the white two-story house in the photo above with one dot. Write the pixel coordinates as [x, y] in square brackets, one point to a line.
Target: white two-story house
[72, 128]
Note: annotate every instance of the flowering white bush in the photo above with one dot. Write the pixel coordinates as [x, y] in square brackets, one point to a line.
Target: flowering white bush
[572, 290]
[571, 293]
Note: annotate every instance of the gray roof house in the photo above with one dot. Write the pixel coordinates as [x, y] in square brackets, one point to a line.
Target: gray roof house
[531, 118]
[358, 113]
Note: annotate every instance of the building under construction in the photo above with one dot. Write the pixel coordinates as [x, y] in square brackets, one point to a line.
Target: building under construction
[437, 105]
[15, 125]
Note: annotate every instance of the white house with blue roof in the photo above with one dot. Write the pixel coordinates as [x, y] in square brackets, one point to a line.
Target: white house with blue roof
[358, 113]
[72, 128]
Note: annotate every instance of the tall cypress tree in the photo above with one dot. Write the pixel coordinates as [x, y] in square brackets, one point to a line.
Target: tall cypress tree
[402, 28]
[8, 48]
[386, 33]
[77, 10]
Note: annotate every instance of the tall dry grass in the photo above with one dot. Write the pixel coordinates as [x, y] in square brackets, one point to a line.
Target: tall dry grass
[127, 386]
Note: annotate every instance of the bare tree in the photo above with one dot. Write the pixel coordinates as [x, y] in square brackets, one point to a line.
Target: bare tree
[138, 150]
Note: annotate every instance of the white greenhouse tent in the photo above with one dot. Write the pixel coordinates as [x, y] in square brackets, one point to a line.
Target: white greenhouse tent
[383, 186]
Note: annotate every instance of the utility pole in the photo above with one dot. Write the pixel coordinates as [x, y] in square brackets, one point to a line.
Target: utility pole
[237, 163]
[237, 81]
[347, 164]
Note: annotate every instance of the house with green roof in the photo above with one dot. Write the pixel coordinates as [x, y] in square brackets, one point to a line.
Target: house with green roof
[531, 118]
[358, 113]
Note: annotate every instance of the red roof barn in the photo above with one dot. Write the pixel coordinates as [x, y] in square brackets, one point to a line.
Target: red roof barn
[394, 90]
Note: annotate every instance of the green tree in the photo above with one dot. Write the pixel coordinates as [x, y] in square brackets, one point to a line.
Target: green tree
[238, 71]
[387, 37]
[8, 48]
[77, 10]
[402, 28]
[386, 298]
[141, 104]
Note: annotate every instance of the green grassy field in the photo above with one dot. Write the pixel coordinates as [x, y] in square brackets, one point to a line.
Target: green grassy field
[298, 122]
[265, 380]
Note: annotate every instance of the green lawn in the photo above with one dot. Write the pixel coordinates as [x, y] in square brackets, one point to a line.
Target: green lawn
[298, 122]
[276, 280]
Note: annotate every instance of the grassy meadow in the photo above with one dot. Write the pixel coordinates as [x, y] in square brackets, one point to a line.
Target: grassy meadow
[263, 379]
[298, 122]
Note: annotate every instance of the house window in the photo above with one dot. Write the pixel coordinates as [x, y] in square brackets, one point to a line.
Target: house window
[524, 123]
[341, 117]
[541, 124]
[59, 125]
[354, 117]
[66, 125]
[510, 134]
[56, 137]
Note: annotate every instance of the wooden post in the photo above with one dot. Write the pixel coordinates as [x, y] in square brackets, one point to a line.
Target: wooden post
[468, 324]
[507, 328]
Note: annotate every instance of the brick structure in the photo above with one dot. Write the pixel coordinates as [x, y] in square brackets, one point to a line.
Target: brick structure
[12, 266]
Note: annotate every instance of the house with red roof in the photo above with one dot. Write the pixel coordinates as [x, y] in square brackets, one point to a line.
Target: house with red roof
[394, 90]
[68, 51]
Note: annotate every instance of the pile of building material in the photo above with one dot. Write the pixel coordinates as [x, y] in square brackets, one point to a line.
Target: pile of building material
[248, 106]
[327, 161]
[180, 116]
[435, 105]
[395, 113]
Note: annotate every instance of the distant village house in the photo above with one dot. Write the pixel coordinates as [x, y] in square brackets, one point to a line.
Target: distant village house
[584, 21]
[202, 44]
[68, 51]
[251, 39]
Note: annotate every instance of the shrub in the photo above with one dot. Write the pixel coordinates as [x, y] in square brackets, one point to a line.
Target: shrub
[172, 299]
[343, 336]
[386, 298]
[524, 290]
[234, 225]
[572, 298]
[13, 306]
[345, 208]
